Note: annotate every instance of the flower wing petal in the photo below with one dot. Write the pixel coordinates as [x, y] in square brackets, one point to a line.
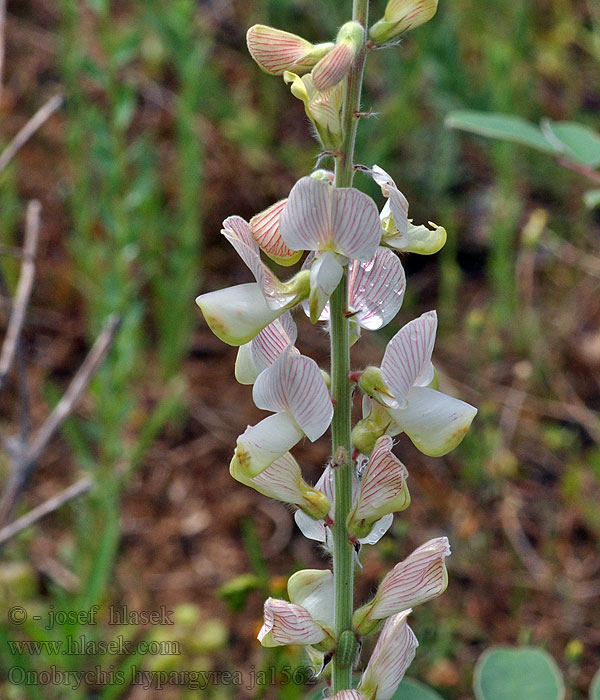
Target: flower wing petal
[276, 51]
[419, 578]
[325, 275]
[398, 204]
[313, 590]
[264, 228]
[376, 289]
[237, 314]
[391, 657]
[286, 623]
[435, 422]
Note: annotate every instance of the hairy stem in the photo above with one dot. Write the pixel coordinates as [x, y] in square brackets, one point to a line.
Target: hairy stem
[343, 555]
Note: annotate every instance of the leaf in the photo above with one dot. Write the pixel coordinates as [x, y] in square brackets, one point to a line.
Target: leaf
[503, 673]
[574, 140]
[595, 687]
[591, 199]
[500, 126]
[411, 689]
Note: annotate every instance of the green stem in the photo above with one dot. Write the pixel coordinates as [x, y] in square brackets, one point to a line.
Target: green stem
[343, 555]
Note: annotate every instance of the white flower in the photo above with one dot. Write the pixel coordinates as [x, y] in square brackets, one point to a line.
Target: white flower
[308, 618]
[420, 577]
[393, 654]
[338, 224]
[294, 389]
[436, 423]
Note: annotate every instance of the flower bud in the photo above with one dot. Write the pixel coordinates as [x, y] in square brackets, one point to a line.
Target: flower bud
[323, 108]
[401, 16]
[334, 66]
[420, 577]
[372, 383]
[369, 429]
[276, 51]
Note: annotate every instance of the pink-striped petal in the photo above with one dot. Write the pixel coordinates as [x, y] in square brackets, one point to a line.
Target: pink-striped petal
[397, 202]
[435, 422]
[276, 51]
[286, 623]
[273, 340]
[294, 383]
[348, 695]
[283, 481]
[393, 654]
[313, 590]
[264, 228]
[383, 487]
[419, 578]
[407, 357]
[333, 67]
[321, 217]
[237, 231]
[376, 289]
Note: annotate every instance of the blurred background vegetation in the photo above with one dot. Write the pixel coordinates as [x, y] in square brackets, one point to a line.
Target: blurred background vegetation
[167, 127]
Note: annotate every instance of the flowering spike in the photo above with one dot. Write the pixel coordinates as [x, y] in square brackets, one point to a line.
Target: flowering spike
[383, 489]
[264, 228]
[276, 51]
[393, 654]
[419, 578]
[401, 16]
[283, 481]
[237, 314]
[321, 217]
[407, 358]
[334, 66]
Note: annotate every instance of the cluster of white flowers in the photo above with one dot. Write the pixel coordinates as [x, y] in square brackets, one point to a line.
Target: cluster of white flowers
[342, 231]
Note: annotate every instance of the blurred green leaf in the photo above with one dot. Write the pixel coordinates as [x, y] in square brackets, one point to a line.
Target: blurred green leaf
[501, 126]
[595, 687]
[575, 141]
[411, 689]
[528, 672]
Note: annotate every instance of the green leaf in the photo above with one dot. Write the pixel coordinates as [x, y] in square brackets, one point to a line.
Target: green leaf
[575, 141]
[500, 126]
[591, 199]
[595, 687]
[411, 689]
[505, 674]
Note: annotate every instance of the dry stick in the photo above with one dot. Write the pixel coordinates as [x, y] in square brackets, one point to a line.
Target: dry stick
[38, 119]
[74, 392]
[25, 462]
[23, 293]
[49, 506]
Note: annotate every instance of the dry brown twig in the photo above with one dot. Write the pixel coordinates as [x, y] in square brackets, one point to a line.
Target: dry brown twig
[23, 452]
[22, 136]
